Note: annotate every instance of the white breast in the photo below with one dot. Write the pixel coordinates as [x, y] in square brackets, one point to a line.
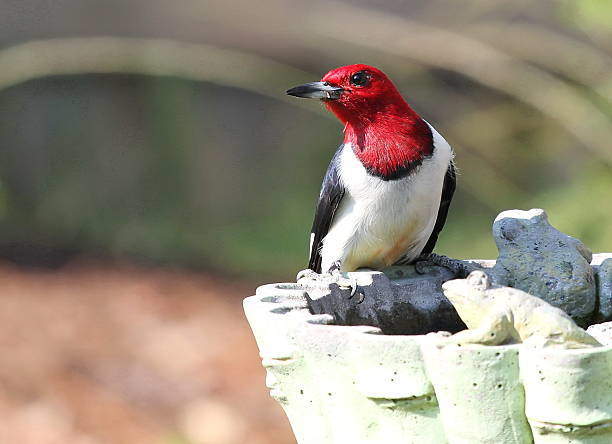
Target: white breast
[379, 222]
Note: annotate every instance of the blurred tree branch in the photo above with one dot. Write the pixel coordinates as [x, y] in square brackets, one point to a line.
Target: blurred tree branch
[157, 57]
[577, 60]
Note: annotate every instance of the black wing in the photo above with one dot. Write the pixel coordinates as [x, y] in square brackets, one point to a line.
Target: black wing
[331, 194]
[448, 189]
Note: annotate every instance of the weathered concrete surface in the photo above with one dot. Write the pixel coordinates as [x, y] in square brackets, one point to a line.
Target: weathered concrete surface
[602, 332]
[539, 259]
[342, 384]
[398, 301]
[479, 392]
[568, 394]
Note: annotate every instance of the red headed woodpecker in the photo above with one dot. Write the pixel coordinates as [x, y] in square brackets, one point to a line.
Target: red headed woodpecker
[387, 190]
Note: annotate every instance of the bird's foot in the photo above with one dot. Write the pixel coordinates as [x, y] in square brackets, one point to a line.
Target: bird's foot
[346, 283]
[307, 274]
[333, 276]
[460, 268]
[422, 264]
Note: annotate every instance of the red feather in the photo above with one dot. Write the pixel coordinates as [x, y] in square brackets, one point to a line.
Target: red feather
[386, 134]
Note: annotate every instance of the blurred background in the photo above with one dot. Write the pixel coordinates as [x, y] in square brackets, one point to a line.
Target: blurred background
[152, 173]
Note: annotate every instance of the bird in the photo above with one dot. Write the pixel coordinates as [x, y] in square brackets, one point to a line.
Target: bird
[387, 191]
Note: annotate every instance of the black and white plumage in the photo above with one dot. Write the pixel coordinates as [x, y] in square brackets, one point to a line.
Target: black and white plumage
[362, 220]
[388, 188]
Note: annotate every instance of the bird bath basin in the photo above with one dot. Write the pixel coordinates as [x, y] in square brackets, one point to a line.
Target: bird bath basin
[353, 384]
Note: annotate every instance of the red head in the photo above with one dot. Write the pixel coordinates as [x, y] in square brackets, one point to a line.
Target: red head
[366, 94]
[386, 134]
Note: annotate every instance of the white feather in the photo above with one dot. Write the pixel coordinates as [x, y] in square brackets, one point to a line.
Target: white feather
[380, 221]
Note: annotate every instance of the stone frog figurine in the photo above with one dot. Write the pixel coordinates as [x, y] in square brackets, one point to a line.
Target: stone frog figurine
[539, 259]
[500, 315]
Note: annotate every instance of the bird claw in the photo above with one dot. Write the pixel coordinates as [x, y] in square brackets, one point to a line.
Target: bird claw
[351, 284]
[458, 267]
[421, 266]
[346, 283]
[355, 291]
[307, 274]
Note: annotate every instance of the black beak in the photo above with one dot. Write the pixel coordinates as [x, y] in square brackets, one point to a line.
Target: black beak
[316, 90]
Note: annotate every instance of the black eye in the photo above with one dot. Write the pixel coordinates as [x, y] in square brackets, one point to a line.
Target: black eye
[360, 78]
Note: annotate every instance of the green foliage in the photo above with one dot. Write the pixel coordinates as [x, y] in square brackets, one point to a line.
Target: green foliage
[589, 13]
[583, 207]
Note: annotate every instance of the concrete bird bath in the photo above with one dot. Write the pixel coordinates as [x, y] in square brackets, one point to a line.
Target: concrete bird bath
[353, 384]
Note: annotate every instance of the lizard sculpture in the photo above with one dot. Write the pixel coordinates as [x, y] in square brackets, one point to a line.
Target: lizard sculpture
[501, 315]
